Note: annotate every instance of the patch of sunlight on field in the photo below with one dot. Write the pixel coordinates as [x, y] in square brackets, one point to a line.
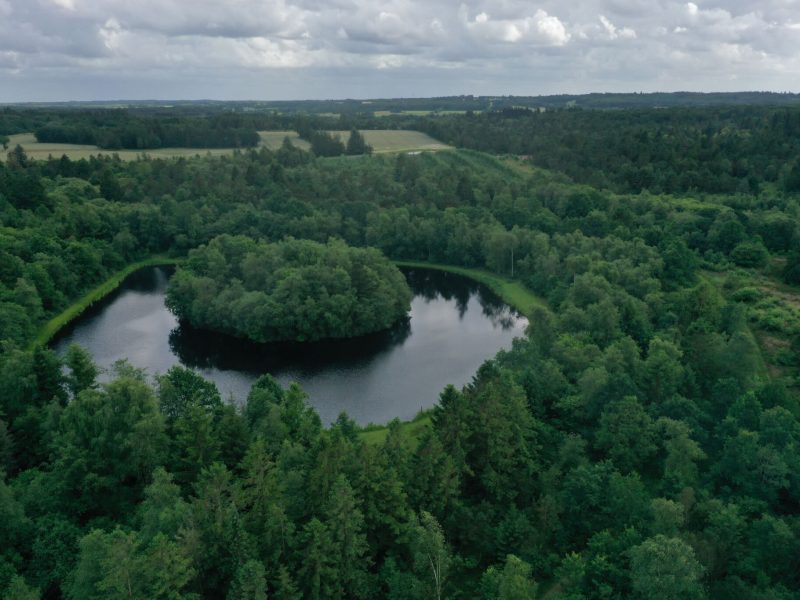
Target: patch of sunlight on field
[419, 113]
[396, 140]
[274, 139]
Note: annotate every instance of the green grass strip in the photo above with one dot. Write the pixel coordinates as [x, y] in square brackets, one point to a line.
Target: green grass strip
[74, 310]
[410, 431]
[510, 291]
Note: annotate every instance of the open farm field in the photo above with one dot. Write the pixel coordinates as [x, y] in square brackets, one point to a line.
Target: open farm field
[41, 151]
[418, 113]
[396, 140]
[382, 141]
[274, 139]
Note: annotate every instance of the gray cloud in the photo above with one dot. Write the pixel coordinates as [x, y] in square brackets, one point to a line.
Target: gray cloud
[88, 49]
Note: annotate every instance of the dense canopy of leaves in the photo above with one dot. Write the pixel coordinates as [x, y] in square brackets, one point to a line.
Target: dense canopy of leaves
[641, 440]
[294, 290]
[715, 150]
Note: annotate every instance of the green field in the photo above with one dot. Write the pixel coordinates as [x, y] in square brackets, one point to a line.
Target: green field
[39, 151]
[410, 431]
[397, 140]
[381, 140]
[419, 113]
[274, 139]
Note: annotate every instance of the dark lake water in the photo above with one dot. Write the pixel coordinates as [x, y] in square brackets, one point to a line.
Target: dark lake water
[455, 324]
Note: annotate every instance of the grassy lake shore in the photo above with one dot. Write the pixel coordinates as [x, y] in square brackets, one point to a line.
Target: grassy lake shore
[74, 310]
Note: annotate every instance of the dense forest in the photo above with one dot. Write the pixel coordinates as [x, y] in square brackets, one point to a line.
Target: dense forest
[293, 290]
[715, 150]
[640, 441]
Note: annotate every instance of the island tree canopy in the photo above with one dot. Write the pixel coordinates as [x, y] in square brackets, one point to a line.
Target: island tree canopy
[295, 290]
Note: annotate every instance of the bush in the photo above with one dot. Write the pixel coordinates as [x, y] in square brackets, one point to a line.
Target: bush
[748, 295]
[751, 253]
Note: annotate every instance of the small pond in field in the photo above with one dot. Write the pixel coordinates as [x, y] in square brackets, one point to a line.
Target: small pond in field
[454, 325]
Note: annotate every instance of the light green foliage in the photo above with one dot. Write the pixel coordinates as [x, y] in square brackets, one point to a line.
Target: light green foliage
[664, 568]
[262, 499]
[431, 556]
[750, 254]
[570, 574]
[18, 589]
[668, 516]
[513, 582]
[119, 564]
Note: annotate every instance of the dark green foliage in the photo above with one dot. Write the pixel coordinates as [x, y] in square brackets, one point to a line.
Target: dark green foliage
[356, 144]
[82, 371]
[791, 272]
[632, 444]
[293, 290]
[119, 129]
[673, 150]
[179, 390]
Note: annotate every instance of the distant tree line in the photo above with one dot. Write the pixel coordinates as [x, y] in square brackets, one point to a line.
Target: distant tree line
[147, 133]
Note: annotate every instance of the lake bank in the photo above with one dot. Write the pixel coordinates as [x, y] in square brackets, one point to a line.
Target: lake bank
[77, 308]
[510, 291]
[455, 324]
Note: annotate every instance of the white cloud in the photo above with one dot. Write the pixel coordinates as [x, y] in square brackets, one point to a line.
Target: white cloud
[552, 28]
[613, 32]
[539, 29]
[216, 48]
[66, 4]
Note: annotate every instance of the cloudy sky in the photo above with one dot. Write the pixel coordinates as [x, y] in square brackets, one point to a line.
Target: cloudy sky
[294, 49]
